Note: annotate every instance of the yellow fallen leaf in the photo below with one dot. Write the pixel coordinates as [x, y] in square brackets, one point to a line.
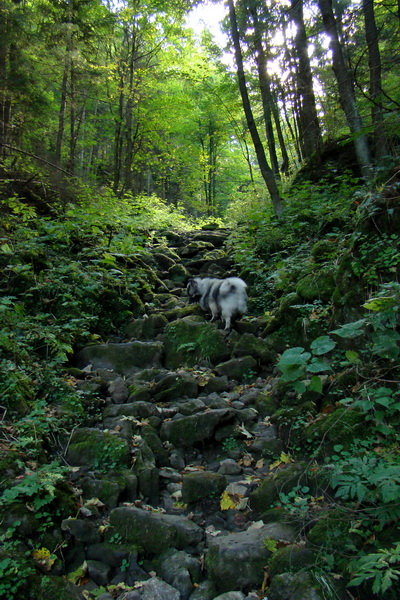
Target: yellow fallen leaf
[284, 459]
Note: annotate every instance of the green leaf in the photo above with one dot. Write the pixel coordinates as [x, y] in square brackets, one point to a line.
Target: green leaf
[379, 304]
[353, 357]
[351, 330]
[315, 384]
[294, 356]
[318, 366]
[299, 387]
[322, 345]
[292, 373]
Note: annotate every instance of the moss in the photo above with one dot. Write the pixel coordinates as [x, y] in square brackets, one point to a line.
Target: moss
[339, 427]
[332, 531]
[57, 588]
[98, 449]
[292, 422]
[317, 286]
[197, 486]
[290, 559]
[265, 404]
[190, 341]
[282, 481]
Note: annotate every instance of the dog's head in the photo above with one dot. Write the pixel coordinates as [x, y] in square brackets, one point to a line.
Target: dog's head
[193, 291]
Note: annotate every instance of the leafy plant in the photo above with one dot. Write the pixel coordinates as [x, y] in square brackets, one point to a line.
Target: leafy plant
[301, 368]
[382, 567]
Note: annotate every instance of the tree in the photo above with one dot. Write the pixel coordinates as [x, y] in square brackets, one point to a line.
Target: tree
[346, 89]
[265, 169]
[375, 77]
[310, 133]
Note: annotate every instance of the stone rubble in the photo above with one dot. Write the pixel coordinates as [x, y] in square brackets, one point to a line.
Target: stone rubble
[183, 427]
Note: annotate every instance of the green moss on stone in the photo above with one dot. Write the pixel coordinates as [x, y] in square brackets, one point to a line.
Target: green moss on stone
[290, 559]
[339, 427]
[98, 449]
[190, 340]
[317, 286]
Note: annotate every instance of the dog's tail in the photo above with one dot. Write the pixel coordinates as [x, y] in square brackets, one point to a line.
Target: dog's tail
[234, 286]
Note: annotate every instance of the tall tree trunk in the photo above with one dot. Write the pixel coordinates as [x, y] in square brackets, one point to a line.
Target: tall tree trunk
[118, 133]
[375, 82]
[265, 88]
[265, 169]
[310, 133]
[346, 91]
[72, 123]
[61, 113]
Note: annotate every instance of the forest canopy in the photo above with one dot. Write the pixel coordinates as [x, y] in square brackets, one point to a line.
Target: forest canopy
[124, 94]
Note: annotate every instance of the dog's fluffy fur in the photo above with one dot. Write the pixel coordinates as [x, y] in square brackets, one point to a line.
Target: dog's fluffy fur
[226, 298]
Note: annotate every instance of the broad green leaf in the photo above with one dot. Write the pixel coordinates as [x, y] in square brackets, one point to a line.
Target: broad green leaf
[292, 373]
[351, 330]
[318, 366]
[379, 304]
[322, 345]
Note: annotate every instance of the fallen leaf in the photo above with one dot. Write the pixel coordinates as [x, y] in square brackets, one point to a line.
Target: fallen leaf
[77, 577]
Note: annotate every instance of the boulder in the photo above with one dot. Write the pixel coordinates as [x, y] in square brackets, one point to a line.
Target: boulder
[236, 561]
[175, 385]
[282, 481]
[186, 431]
[250, 345]
[118, 390]
[147, 328]
[153, 531]
[124, 359]
[181, 570]
[191, 340]
[238, 368]
[202, 484]
[157, 589]
[98, 449]
[296, 586]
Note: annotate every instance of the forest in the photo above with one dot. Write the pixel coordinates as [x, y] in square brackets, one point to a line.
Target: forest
[142, 143]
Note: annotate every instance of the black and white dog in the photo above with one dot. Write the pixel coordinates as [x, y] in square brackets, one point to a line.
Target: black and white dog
[226, 298]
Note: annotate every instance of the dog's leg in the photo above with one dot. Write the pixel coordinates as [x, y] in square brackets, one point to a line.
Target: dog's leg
[226, 317]
[214, 309]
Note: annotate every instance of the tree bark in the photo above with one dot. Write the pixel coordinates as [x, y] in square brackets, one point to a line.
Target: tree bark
[346, 90]
[265, 88]
[310, 133]
[265, 169]
[375, 81]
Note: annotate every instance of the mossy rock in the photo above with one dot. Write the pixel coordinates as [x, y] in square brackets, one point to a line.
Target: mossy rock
[240, 369]
[250, 345]
[178, 273]
[325, 249]
[339, 427]
[265, 404]
[332, 531]
[146, 329]
[293, 422]
[316, 286]
[180, 312]
[291, 559]
[123, 358]
[57, 588]
[153, 531]
[201, 485]
[190, 341]
[282, 481]
[98, 449]
[296, 586]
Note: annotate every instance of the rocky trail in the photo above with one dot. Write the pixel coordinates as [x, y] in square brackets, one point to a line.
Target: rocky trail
[174, 474]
